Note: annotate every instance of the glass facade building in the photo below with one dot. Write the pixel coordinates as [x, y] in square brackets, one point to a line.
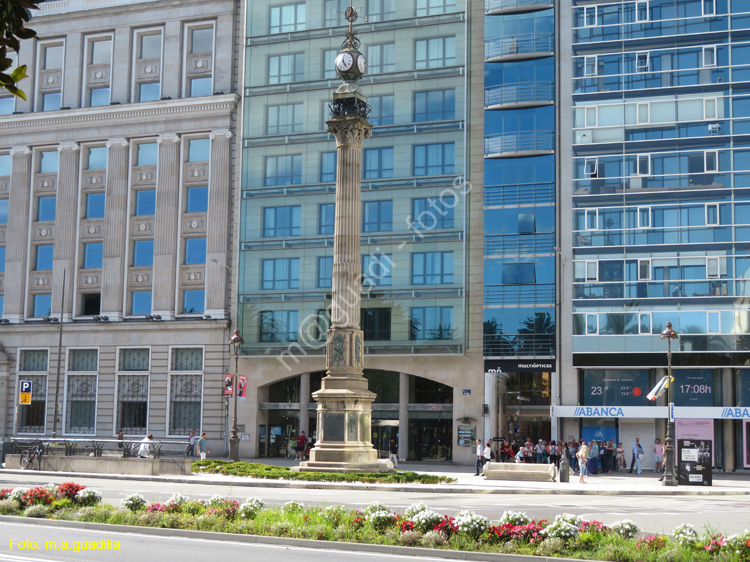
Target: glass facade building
[519, 210]
[659, 158]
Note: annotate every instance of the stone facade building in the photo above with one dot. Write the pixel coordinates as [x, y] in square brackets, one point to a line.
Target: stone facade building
[116, 183]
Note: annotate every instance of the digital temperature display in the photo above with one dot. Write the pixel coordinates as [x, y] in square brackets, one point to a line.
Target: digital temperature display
[693, 387]
[626, 387]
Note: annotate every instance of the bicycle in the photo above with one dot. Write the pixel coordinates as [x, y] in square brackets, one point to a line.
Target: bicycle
[32, 453]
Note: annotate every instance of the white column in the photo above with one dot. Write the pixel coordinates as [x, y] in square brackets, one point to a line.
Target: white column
[115, 229]
[17, 234]
[166, 227]
[217, 237]
[66, 230]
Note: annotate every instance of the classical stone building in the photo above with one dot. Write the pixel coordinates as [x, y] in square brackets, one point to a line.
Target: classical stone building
[116, 183]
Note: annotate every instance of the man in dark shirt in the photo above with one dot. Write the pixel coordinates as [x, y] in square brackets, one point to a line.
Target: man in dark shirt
[301, 444]
[393, 452]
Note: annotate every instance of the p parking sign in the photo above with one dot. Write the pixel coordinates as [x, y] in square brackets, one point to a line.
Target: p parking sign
[25, 394]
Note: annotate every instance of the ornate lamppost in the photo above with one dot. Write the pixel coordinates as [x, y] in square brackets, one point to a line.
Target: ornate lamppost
[669, 478]
[236, 342]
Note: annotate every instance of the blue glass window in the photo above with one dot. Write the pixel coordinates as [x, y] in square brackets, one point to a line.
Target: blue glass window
[199, 150]
[44, 258]
[376, 323]
[381, 10]
[46, 207]
[377, 269]
[201, 87]
[283, 170]
[51, 102]
[518, 274]
[434, 159]
[197, 199]
[202, 40]
[435, 7]
[95, 205]
[42, 305]
[284, 119]
[48, 161]
[431, 323]
[328, 167]
[140, 302]
[326, 212]
[377, 216]
[6, 164]
[149, 92]
[381, 110]
[287, 18]
[378, 163]
[92, 255]
[436, 52]
[7, 105]
[148, 153]
[2, 259]
[380, 58]
[281, 221]
[432, 268]
[325, 272]
[97, 159]
[283, 69]
[2, 304]
[428, 213]
[434, 105]
[98, 97]
[195, 251]
[145, 202]
[4, 211]
[278, 325]
[193, 301]
[281, 273]
[143, 253]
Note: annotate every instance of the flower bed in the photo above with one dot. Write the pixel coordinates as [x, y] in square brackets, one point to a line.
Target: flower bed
[565, 536]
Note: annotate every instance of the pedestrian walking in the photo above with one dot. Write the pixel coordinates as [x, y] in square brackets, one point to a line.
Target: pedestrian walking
[658, 456]
[145, 447]
[636, 445]
[487, 453]
[301, 444]
[480, 463]
[393, 452]
[203, 446]
[191, 444]
[639, 460]
[582, 455]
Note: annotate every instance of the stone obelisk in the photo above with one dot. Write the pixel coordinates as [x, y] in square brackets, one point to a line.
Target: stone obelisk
[344, 402]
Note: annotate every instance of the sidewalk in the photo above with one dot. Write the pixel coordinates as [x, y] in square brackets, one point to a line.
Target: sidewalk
[466, 483]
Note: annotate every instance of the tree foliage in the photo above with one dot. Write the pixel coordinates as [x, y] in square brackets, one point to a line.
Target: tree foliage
[14, 14]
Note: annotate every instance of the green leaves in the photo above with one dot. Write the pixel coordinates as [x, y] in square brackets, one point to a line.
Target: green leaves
[14, 14]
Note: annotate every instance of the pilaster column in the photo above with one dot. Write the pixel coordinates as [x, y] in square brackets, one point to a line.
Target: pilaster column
[403, 416]
[217, 237]
[304, 400]
[17, 234]
[66, 231]
[166, 227]
[115, 229]
[727, 426]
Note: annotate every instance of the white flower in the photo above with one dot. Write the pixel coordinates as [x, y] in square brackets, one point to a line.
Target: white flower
[251, 507]
[178, 499]
[17, 494]
[413, 509]
[626, 528]
[381, 519]
[516, 518]
[685, 534]
[215, 500]
[561, 529]
[88, 496]
[134, 502]
[376, 506]
[426, 520]
[292, 506]
[471, 523]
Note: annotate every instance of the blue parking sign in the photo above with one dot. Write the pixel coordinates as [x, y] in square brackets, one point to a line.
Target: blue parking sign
[25, 386]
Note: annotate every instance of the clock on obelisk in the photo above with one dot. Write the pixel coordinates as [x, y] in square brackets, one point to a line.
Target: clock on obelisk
[344, 402]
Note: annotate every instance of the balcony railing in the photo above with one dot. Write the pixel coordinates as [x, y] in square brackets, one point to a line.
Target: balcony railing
[64, 6]
[505, 6]
[519, 294]
[522, 93]
[525, 142]
[522, 46]
[523, 194]
[519, 244]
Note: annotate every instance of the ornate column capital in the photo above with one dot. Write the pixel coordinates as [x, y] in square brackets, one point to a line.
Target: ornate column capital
[119, 141]
[68, 145]
[349, 131]
[168, 137]
[22, 150]
[218, 133]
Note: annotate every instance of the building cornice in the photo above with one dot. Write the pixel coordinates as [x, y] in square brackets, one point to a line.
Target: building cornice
[136, 112]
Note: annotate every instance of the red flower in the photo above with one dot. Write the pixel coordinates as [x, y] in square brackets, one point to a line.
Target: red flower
[69, 490]
[406, 526]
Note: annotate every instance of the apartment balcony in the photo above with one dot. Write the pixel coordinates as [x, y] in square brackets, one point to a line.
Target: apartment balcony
[524, 46]
[521, 94]
[519, 244]
[514, 145]
[492, 7]
[502, 295]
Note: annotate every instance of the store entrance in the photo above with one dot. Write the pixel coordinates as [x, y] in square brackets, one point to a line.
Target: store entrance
[430, 438]
[382, 432]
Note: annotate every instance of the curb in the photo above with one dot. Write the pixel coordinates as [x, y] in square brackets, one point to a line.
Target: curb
[248, 482]
[281, 541]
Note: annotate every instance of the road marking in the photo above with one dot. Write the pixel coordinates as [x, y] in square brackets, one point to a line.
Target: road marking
[14, 558]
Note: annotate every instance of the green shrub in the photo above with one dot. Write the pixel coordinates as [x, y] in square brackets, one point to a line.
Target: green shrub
[63, 503]
[39, 511]
[9, 507]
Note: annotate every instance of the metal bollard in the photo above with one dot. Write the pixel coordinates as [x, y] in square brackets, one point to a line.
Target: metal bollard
[564, 470]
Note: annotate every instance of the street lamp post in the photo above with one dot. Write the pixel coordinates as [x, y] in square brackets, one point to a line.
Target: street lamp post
[236, 342]
[669, 478]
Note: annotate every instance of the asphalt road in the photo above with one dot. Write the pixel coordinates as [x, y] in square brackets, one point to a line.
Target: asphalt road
[132, 546]
[654, 513]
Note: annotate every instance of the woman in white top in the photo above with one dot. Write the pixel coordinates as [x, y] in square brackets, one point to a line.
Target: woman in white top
[487, 453]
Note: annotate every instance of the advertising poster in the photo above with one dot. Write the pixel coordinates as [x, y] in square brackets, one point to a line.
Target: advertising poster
[694, 462]
[242, 387]
[228, 384]
[702, 430]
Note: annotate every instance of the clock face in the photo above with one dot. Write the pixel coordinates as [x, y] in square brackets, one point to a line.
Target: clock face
[344, 61]
[361, 64]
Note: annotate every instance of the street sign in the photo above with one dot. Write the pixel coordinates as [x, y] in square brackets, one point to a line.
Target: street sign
[24, 396]
[671, 412]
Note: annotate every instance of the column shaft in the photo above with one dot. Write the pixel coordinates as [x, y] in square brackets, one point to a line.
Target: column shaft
[115, 229]
[66, 231]
[727, 426]
[403, 416]
[217, 238]
[17, 234]
[166, 227]
[304, 400]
